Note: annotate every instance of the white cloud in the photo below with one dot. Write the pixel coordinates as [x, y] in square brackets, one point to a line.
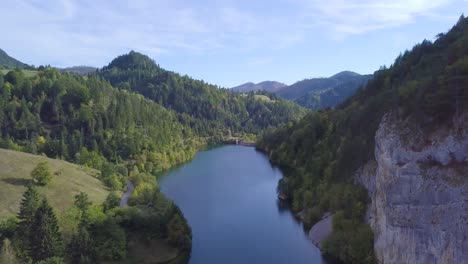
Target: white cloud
[87, 31]
[346, 18]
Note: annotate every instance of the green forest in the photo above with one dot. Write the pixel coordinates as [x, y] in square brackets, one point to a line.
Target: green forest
[130, 121]
[321, 152]
[207, 109]
[87, 121]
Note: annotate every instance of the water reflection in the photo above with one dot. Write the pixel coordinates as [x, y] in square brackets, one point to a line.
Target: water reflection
[229, 197]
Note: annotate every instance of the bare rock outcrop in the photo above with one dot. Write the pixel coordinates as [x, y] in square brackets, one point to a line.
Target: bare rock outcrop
[418, 185]
[321, 230]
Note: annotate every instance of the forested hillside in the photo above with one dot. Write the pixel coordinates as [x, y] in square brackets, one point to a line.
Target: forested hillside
[320, 93]
[346, 84]
[86, 120]
[322, 151]
[154, 120]
[82, 70]
[10, 63]
[315, 93]
[268, 86]
[207, 109]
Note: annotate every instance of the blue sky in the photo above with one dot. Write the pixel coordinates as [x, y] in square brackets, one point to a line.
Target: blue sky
[225, 42]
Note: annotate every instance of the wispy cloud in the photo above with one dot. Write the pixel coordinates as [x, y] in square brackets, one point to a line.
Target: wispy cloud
[346, 18]
[93, 31]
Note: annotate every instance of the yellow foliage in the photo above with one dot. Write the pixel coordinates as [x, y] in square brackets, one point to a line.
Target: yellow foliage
[41, 140]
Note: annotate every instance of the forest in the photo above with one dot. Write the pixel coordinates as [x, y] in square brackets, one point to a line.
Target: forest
[208, 110]
[130, 121]
[321, 152]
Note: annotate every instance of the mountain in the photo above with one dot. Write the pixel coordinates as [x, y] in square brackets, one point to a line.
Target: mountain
[390, 162]
[81, 70]
[347, 86]
[10, 63]
[130, 108]
[269, 86]
[128, 120]
[206, 108]
[316, 93]
[122, 135]
[319, 93]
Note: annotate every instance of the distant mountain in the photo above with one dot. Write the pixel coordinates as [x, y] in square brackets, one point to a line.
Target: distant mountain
[204, 107]
[269, 86]
[10, 63]
[81, 70]
[315, 93]
[319, 93]
[318, 85]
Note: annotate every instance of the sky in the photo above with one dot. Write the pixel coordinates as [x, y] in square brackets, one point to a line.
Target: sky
[225, 42]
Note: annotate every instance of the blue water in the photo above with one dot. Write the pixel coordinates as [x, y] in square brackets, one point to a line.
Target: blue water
[228, 195]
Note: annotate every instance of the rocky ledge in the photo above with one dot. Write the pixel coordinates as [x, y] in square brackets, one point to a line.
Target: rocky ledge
[321, 230]
[418, 185]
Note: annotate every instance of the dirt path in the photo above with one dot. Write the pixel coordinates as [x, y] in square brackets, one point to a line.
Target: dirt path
[126, 196]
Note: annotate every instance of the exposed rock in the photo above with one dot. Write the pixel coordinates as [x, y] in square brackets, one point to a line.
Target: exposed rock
[419, 192]
[321, 230]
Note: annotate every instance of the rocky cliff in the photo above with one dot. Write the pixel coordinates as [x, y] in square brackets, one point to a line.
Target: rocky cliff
[418, 184]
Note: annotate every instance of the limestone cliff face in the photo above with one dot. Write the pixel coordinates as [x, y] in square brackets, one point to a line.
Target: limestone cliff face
[419, 190]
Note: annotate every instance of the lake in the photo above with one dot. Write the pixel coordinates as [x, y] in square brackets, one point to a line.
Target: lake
[228, 195]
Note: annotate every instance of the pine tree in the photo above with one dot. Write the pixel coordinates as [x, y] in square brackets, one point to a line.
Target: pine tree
[46, 240]
[82, 201]
[28, 208]
[80, 246]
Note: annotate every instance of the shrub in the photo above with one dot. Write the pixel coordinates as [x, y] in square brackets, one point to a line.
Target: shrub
[8, 227]
[41, 174]
[351, 241]
[112, 201]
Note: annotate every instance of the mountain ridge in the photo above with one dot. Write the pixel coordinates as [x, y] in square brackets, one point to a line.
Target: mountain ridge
[11, 63]
[81, 69]
[313, 93]
[269, 86]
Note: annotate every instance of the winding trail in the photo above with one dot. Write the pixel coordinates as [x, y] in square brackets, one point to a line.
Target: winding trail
[126, 196]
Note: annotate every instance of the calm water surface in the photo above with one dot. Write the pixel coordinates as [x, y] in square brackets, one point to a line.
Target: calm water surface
[228, 195]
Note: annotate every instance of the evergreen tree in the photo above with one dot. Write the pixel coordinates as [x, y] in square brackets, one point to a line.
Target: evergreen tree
[80, 247]
[112, 201]
[82, 201]
[46, 240]
[28, 208]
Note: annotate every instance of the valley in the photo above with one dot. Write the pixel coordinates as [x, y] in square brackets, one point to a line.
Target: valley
[375, 165]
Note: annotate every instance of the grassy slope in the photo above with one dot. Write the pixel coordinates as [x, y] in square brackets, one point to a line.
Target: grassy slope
[27, 73]
[15, 169]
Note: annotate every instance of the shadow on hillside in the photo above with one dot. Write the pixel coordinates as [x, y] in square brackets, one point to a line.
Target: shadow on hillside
[17, 182]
